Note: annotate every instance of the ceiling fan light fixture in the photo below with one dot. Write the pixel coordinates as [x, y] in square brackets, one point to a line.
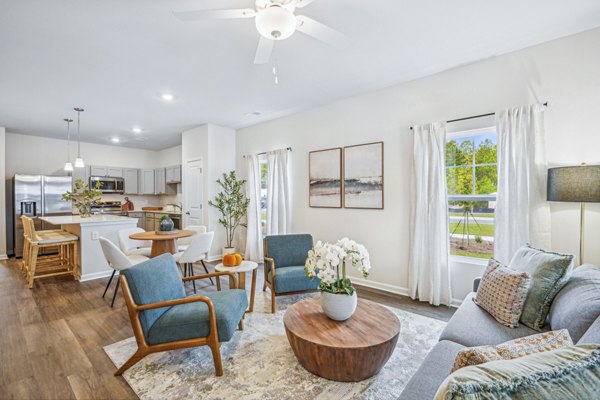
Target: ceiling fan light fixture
[275, 23]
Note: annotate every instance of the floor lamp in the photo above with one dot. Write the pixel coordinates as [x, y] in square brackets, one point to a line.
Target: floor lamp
[580, 184]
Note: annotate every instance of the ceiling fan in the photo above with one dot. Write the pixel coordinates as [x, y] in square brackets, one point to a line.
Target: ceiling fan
[275, 20]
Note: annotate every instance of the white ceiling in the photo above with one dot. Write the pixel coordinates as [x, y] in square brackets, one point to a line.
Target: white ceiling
[115, 57]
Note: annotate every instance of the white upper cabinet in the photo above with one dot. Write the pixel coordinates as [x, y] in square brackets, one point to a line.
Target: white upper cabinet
[114, 172]
[131, 176]
[146, 181]
[160, 184]
[97, 171]
[173, 174]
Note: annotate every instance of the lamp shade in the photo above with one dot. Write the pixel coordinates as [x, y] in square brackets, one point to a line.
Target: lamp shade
[580, 184]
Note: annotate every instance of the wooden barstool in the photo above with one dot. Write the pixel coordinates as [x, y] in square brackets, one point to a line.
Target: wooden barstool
[42, 266]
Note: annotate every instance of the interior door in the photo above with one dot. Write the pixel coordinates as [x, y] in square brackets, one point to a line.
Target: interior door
[193, 189]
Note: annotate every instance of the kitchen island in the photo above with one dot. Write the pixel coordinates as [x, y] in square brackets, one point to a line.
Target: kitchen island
[92, 263]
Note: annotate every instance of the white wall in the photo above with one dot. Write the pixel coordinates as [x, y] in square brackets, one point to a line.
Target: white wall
[216, 146]
[3, 198]
[563, 72]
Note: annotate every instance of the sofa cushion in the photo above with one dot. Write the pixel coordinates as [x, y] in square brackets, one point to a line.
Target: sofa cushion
[435, 368]
[577, 305]
[592, 335]
[288, 250]
[549, 273]
[293, 279]
[191, 320]
[502, 293]
[473, 326]
[153, 281]
[545, 341]
[567, 373]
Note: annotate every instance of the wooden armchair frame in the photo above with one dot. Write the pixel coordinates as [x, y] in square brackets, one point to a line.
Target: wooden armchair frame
[271, 262]
[212, 340]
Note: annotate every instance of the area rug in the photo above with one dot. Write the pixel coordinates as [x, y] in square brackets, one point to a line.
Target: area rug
[258, 363]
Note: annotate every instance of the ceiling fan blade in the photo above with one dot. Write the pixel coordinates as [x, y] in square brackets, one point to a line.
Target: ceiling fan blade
[321, 32]
[264, 50]
[198, 15]
[302, 3]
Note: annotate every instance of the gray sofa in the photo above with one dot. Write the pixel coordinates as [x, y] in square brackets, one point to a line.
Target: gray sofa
[576, 308]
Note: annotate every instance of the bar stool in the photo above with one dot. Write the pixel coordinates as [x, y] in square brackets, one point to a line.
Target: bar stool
[43, 266]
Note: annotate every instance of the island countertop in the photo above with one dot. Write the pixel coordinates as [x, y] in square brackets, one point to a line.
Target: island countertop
[93, 220]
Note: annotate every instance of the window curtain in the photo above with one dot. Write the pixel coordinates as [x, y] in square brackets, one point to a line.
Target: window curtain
[278, 193]
[429, 274]
[522, 213]
[254, 250]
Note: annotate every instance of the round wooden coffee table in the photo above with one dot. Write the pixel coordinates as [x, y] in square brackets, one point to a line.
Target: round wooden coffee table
[348, 351]
[162, 243]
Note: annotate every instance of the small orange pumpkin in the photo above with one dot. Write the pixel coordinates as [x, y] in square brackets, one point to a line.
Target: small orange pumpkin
[229, 260]
[238, 258]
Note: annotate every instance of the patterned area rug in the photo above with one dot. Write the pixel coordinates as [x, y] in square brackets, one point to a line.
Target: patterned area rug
[258, 363]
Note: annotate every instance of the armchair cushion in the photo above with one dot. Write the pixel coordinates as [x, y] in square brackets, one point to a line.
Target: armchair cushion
[153, 281]
[293, 279]
[288, 250]
[191, 320]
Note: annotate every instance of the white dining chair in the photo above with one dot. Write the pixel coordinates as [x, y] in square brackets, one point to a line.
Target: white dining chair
[183, 243]
[134, 247]
[118, 261]
[196, 251]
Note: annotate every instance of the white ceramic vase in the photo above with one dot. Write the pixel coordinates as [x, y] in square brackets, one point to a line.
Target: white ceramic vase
[338, 307]
[228, 250]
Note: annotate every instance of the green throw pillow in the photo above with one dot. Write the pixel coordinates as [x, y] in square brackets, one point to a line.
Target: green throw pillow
[568, 373]
[549, 273]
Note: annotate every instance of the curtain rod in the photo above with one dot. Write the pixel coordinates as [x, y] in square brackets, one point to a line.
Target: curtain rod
[265, 152]
[476, 116]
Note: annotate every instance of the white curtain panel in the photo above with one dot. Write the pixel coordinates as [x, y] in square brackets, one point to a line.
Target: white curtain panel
[278, 193]
[254, 250]
[522, 213]
[429, 274]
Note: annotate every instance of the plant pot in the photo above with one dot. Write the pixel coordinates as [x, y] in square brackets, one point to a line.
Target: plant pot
[166, 225]
[338, 307]
[85, 211]
[228, 250]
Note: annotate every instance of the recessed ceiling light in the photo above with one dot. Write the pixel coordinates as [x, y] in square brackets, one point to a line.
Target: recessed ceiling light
[137, 129]
[115, 140]
[167, 96]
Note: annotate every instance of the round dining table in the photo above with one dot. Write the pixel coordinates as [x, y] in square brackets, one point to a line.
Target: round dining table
[162, 242]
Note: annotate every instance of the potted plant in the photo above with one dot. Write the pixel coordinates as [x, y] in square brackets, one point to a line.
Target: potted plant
[166, 224]
[232, 203]
[328, 262]
[83, 197]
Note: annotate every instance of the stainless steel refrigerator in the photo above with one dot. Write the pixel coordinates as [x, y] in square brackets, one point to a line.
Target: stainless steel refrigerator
[36, 196]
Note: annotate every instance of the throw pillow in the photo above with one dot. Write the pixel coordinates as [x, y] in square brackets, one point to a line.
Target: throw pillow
[537, 343]
[549, 273]
[502, 293]
[568, 373]
[577, 305]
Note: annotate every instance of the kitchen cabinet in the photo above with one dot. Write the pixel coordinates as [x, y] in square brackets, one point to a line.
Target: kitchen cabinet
[157, 218]
[160, 183]
[114, 172]
[141, 216]
[131, 176]
[173, 174]
[149, 222]
[146, 183]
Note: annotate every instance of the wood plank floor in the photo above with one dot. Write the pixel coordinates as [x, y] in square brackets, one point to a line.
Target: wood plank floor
[51, 337]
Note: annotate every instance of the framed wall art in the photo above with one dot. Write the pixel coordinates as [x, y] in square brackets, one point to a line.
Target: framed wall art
[325, 178]
[363, 176]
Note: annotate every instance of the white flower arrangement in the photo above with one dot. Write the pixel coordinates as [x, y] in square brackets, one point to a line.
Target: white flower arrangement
[328, 261]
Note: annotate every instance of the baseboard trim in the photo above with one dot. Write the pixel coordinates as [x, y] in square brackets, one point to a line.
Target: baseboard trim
[3, 257]
[96, 275]
[385, 287]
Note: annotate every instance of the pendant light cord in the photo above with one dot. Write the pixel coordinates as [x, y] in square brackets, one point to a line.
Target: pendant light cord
[78, 135]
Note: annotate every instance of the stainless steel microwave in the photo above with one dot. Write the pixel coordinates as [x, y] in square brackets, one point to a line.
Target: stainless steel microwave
[108, 184]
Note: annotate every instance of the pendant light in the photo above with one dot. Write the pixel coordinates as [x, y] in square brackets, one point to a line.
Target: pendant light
[68, 165]
[79, 161]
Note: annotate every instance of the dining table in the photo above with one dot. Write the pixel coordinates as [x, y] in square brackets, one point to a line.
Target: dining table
[162, 242]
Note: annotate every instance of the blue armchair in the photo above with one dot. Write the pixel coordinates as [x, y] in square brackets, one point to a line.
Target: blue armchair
[285, 256]
[163, 318]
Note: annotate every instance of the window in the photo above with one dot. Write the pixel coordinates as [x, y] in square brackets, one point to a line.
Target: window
[472, 181]
[262, 162]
